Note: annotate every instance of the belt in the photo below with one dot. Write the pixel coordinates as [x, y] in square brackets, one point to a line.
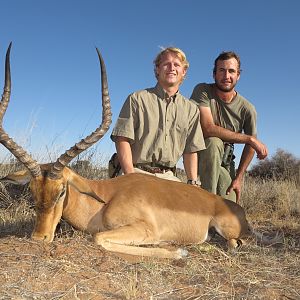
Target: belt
[154, 168]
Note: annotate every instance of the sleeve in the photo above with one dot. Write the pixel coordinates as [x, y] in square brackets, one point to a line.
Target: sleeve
[127, 120]
[250, 126]
[195, 141]
[200, 95]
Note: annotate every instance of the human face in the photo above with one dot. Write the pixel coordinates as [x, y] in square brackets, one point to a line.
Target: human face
[170, 72]
[227, 74]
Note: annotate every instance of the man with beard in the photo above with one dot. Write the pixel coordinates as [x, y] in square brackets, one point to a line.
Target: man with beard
[226, 118]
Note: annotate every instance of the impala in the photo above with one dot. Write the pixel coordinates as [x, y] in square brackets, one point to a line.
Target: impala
[124, 214]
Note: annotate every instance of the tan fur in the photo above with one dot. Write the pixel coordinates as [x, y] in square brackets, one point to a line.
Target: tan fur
[138, 210]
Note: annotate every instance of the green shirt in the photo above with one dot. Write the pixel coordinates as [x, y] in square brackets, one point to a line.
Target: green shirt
[239, 115]
[159, 131]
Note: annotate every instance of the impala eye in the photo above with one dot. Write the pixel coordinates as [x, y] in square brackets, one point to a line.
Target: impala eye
[62, 193]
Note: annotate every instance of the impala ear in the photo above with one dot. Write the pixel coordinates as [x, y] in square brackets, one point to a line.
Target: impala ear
[82, 186]
[20, 177]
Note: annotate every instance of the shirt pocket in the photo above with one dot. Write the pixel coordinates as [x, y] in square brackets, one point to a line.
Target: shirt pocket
[180, 134]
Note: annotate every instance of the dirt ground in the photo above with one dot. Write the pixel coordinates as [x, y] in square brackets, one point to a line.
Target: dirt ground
[72, 267]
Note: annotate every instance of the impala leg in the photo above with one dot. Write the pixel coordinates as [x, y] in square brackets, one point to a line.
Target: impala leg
[234, 244]
[125, 240]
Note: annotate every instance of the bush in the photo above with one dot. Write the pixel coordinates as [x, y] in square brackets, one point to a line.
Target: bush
[88, 170]
[281, 166]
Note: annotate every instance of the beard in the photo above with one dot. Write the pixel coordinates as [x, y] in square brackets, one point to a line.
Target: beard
[225, 89]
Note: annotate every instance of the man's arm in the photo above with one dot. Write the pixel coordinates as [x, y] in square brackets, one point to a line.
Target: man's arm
[190, 162]
[211, 130]
[124, 154]
[236, 184]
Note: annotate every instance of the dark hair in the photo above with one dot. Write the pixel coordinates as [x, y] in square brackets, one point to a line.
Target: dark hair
[225, 55]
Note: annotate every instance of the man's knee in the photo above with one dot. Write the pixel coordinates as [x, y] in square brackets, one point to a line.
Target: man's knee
[214, 143]
[223, 185]
[169, 175]
[214, 150]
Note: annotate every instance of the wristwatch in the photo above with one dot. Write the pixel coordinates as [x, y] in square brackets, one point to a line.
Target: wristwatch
[192, 182]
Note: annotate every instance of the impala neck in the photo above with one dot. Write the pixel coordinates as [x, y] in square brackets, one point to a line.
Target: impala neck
[82, 211]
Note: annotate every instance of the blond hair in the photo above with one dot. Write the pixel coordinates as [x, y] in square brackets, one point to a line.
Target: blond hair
[178, 52]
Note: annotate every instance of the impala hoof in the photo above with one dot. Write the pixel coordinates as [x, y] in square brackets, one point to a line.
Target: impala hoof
[182, 253]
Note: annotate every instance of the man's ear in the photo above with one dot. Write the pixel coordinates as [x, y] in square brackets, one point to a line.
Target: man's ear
[156, 72]
[20, 177]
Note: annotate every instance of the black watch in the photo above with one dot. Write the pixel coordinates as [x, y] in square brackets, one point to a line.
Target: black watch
[192, 182]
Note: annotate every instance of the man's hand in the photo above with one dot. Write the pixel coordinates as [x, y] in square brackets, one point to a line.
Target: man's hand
[236, 186]
[260, 148]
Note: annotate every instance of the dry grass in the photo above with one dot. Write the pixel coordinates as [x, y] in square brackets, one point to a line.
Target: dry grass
[272, 198]
[72, 267]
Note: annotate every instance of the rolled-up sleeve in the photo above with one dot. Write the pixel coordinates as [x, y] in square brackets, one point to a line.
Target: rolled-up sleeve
[195, 141]
[126, 121]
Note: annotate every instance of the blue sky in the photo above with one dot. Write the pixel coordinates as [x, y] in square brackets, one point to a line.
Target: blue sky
[55, 73]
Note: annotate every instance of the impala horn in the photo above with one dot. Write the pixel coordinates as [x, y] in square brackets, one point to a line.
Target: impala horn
[5, 140]
[95, 136]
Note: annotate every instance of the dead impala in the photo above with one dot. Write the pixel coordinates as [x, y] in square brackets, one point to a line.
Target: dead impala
[125, 213]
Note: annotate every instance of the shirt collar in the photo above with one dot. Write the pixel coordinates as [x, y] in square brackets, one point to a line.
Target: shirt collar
[163, 94]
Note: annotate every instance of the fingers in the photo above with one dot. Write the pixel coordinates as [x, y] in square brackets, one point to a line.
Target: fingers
[237, 192]
[262, 152]
[229, 190]
[262, 155]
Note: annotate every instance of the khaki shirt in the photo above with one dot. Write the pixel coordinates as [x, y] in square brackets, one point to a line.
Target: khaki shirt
[239, 115]
[159, 131]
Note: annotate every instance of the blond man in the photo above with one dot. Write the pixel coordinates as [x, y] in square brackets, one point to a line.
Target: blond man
[157, 126]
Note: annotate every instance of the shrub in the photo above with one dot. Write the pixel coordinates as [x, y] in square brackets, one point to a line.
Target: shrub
[281, 166]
